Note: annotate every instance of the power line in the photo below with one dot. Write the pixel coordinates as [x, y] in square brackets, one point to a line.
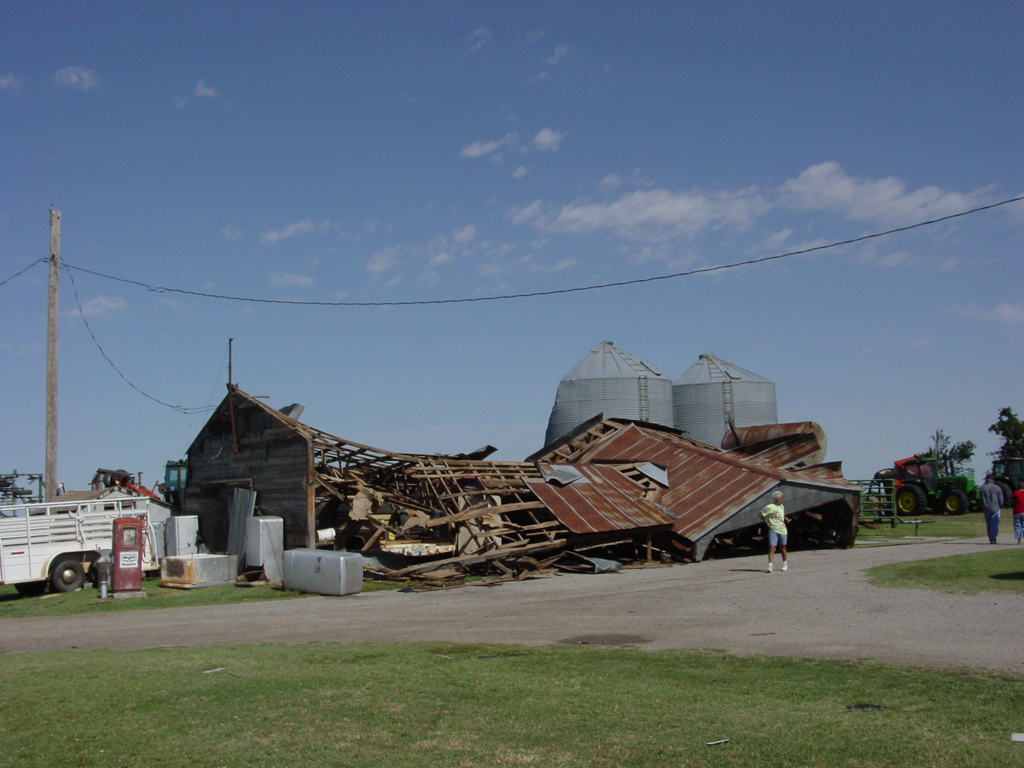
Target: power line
[179, 408]
[22, 271]
[553, 292]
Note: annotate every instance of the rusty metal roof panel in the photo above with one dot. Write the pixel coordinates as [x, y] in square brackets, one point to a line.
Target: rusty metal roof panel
[703, 492]
[706, 485]
[633, 443]
[781, 445]
[602, 500]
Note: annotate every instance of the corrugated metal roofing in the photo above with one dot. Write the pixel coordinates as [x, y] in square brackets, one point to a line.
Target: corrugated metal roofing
[603, 500]
[780, 445]
[706, 485]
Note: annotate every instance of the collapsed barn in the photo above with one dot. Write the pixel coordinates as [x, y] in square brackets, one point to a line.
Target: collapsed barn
[610, 483]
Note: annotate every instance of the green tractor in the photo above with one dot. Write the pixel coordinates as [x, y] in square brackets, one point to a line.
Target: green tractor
[1006, 473]
[920, 484]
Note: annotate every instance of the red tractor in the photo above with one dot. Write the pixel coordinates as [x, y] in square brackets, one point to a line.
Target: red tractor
[919, 483]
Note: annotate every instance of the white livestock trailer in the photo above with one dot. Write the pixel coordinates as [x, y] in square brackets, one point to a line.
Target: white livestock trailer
[56, 543]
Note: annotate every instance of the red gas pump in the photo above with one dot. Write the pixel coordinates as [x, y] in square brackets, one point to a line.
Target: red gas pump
[128, 543]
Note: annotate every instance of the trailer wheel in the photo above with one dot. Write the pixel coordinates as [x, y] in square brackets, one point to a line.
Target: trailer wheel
[954, 502]
[31, 588]
[911, 500]
[67, 575]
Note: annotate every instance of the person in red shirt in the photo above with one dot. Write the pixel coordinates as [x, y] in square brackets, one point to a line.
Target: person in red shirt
[1018, 511]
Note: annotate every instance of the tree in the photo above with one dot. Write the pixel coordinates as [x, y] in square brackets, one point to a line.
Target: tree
[1011, 430]
[952, 457]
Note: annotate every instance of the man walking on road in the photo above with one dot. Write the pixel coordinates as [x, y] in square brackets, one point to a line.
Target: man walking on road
[991, 499]
[774, 515]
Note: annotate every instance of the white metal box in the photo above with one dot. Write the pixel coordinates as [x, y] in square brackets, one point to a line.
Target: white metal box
[181, 536]
[264, 545]
[198, 571]
[323, 572]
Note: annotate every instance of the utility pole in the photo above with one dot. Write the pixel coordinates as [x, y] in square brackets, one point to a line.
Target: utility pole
[50, 479]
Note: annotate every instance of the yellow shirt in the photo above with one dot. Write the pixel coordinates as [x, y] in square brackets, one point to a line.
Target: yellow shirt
[775, 516]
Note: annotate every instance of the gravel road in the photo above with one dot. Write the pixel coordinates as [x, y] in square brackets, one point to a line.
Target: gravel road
[822, 607]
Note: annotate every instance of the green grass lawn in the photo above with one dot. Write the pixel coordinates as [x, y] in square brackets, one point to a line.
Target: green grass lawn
[480, 706]
[15, 606]
[969, 526]
[1001, 570]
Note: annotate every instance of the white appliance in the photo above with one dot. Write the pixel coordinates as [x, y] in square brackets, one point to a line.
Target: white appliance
[323, 572]
[264, 545]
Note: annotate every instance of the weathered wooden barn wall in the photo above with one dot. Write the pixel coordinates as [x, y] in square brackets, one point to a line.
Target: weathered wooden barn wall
[272, 459]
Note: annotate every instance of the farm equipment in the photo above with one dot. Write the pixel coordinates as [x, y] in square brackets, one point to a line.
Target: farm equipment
[920, 484]
[1006, 473]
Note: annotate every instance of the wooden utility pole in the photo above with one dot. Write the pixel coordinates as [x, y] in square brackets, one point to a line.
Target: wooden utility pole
[50, 478]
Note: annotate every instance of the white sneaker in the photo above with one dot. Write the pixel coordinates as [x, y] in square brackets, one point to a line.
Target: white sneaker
[785, 565]
[769, 569]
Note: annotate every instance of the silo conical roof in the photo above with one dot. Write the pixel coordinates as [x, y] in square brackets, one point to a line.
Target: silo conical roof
[710, 370]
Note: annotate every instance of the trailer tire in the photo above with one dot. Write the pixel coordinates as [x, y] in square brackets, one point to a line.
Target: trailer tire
[31, 588]
[67, 575]
[911, 500]
[954, 502]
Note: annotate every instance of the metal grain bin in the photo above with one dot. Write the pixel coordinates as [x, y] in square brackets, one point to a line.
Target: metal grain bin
[713, 392]
[614, 383]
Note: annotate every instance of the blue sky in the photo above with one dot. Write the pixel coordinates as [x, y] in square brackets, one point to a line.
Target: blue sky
[406, 151]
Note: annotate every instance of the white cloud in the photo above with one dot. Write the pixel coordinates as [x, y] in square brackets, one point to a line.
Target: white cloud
[478, 38]
[465, 235]
[481, 148]
[609, 182]
[383, 260]
[287, 280]
[776, 239]
[202, 90]
[531, 213]
[519, 172]
[1002, 314]
[880, 201]
[653, 215]
[296, 228]
[79, 78]
[230, 233]
[104, 307]
[440, 258]
[561, 52]
[547, 140]
[11, 83]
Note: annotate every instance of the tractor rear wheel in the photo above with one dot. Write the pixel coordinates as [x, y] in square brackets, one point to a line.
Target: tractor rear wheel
[954, 502]
[1007, 494]
[911, 500]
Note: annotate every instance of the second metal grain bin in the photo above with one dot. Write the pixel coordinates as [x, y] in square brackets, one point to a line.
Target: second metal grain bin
[714, 393]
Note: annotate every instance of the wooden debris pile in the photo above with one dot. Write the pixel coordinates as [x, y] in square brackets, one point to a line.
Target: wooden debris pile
[459, 512]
